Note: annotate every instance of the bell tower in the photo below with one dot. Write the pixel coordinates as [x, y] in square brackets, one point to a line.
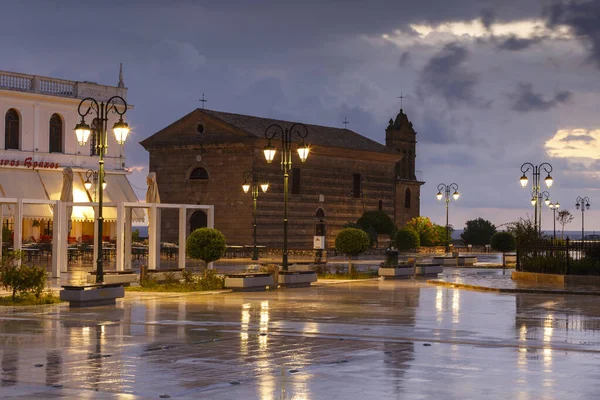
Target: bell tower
[401, 136]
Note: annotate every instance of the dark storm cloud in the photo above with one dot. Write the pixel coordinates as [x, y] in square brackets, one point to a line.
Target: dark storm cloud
[447, 75]
[584, 18]
[514, 43]
[524, 99]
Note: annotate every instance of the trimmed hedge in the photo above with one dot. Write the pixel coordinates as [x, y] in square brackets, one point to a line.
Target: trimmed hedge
[407, 239]
[352, 241]
[206, 244]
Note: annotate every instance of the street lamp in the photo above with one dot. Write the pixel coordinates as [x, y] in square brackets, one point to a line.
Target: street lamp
[91, 179]
[117, 105]
[554, 207]
[536, 194]
[584, 204]
[447, 188]
[286, 164]
[251, 182]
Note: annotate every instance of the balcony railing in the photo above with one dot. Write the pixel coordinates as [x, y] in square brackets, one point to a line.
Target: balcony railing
[57, 87]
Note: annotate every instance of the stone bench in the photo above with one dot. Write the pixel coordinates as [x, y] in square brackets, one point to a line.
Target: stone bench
[403, 272]
[249, 282]
[428, 270]
[160, 275]
[122, 277]
[100, 294]
[297, 278]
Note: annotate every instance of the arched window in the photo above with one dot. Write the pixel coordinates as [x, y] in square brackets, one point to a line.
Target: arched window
[94, 136]
[198, 220]
[407, 198]
[198, 174]
[56, 134]
[12, 129]
[380, 205]
[320, 213]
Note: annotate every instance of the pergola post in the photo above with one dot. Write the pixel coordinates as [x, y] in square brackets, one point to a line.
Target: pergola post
[127, 255]
[120, 256]
[153, 239]
[182, 231]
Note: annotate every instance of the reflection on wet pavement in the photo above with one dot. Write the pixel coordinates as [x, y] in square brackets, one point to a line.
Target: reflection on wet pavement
[368, 340]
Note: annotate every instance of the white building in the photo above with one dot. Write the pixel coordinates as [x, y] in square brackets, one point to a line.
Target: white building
[37, 141]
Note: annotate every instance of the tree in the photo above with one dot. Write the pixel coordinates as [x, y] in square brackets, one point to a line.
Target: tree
[504, 242]
[564, 217]
[352, 242]
[478, 232]
[375, 223]
[425, 229]
[206, 244]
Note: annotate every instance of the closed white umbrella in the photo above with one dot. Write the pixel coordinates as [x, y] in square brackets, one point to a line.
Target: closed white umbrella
[152, 195]
[66, 195]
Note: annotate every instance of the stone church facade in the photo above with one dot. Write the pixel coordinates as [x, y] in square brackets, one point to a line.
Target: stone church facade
[201, 159]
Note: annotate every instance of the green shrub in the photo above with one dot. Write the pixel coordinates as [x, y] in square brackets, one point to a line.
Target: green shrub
[206, 244]
[20, 278]
[425, 229]
[351, 241]
[378, 220]
[407, 239]
[478, 232]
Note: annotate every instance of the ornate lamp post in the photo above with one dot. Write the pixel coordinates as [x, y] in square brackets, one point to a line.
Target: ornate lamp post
[546, 196]
[286, 164]
[251, 181]
[584, 204]
[536, 194]
[447, 188]
[554, 207]
[91, 179]
[87, 106]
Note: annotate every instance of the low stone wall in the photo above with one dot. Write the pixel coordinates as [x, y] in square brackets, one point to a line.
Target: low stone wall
[555, 279]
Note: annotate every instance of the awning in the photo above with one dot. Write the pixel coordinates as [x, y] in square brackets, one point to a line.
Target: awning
[26, 185]
[47, 185]
[52, 182]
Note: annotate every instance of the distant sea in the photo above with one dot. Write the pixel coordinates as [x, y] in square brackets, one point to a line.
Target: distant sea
[569, 234]
[143, 230]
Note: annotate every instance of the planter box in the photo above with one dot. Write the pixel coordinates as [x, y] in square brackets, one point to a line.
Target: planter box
[248, 282]
[297, 279]
[160, 275]
[300, 268]
[115, 277]
[510, 258]
[428, 270]
[396, 272]
[445, 261]
[92, 295]
[467, 260]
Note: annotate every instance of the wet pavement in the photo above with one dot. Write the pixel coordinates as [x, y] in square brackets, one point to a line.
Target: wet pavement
[500, 280]
[362, 340]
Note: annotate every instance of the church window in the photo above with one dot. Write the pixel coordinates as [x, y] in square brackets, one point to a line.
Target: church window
[295, 180]
[407, 198]
[198, 174]
[356, 189]
[12, 129]
[380, 205]
[320, 213]
[56, 134]
[200, 129]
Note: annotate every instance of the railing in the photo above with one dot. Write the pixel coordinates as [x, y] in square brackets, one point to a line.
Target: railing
[57, 87]
[9, 80]
[567, 257]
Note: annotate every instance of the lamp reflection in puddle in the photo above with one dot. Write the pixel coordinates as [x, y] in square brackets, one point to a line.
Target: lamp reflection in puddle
[548, 333]
[455, 306]
[244, 329]
[439, 303]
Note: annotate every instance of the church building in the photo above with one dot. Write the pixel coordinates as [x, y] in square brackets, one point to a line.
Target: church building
[202, 158]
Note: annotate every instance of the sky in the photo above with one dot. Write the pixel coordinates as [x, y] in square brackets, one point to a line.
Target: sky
[489, 84]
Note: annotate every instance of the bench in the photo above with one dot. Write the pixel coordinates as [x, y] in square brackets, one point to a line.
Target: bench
[249, 282]
[160, 275]
[99, 294]
[110, 277]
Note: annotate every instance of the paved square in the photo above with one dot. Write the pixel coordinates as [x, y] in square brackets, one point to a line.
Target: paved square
[364, 340]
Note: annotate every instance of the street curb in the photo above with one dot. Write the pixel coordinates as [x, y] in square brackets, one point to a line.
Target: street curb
[508, 290]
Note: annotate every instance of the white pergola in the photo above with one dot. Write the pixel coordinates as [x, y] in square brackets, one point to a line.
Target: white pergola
[123, 245]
